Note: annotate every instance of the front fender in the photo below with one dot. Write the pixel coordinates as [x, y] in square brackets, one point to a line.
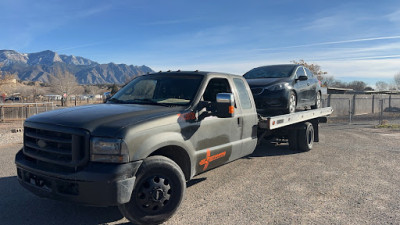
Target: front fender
[154, 142]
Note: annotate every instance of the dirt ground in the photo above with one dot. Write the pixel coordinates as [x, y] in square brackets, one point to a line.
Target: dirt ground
[350, 177]
[7, 136]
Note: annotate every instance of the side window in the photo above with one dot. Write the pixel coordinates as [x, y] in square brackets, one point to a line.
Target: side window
[300, 72]
[215, 86]
[243, 94]
[309, 73]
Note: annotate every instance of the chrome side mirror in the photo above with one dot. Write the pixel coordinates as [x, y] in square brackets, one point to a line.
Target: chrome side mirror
[225, 107]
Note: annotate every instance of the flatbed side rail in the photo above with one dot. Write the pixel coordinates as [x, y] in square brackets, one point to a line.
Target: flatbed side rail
[275, 122]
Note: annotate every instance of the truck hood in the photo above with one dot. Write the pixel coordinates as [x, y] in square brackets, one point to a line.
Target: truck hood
[104, 119]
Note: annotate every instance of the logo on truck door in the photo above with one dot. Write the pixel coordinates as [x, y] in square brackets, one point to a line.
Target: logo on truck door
[209, 158]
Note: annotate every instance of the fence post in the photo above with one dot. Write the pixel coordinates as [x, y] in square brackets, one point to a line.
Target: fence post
[1, 113]
[329, 100]
[381, 111]
[354, 104]
[350, 112]
[373, 104]
[390, 101]
[26, 112]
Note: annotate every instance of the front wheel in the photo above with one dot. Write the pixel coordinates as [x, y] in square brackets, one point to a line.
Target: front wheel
[159, 190]
[317, 104]
[291, 108]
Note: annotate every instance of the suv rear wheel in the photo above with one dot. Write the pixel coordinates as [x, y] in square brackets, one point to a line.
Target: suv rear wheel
[317, 104]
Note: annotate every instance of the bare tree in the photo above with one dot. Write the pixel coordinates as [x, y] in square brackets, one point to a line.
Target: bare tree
[314, 68]
[397, 80]
[392, 86]
[328, 81]
[382, 86]
[91, 89]
[6, 77]
[7, 83]
[357, 85]
[64, 83]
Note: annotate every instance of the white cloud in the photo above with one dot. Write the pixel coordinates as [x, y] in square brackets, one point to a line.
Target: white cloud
[374, 68]
[394, 16]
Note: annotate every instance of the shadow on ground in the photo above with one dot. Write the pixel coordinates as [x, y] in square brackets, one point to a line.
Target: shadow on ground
[266, 149]
[19, 206]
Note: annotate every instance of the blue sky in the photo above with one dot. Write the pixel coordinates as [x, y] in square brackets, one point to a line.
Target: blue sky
[348, 39]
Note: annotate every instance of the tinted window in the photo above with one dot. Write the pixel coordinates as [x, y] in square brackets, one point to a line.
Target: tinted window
[275, 71]
[159, 89]
[243, 94]
[309, 73]
[300, 72]
[214, 87]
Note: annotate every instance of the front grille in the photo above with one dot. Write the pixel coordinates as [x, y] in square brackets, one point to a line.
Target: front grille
[59, 147]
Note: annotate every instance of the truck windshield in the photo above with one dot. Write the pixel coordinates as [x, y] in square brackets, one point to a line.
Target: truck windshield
[167, 90]
[276, 71]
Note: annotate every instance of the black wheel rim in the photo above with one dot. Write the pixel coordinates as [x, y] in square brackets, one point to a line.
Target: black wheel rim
[310, 136]
[292, 103]
[318, 105]
[154, 194]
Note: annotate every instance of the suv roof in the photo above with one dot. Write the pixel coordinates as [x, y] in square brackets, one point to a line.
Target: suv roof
[201, 73]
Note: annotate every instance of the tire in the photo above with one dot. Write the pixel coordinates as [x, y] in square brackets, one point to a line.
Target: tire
[159, 189]
[306, 137]
[292, 103]
[317, 104]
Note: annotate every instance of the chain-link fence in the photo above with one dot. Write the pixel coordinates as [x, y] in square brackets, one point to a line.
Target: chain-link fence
[21, 111]
[378, 109]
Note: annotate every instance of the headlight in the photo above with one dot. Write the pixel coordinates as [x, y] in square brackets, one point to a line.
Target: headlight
[108, 150]
[277, 87]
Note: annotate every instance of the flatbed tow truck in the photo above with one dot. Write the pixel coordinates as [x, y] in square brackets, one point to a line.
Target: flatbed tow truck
[138, 149]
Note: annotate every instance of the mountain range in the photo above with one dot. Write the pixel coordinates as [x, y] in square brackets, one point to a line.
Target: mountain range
[40, 66]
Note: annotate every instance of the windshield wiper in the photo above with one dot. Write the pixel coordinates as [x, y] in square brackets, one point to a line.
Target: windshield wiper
[148, 101]
[116, 101]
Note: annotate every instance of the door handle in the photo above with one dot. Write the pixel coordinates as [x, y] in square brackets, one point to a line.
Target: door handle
[240, 121]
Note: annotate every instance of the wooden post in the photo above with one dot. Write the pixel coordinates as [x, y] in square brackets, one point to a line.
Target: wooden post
[350, 112]
[373, 104]
[1, 113]
[329, 100]
[26, 112]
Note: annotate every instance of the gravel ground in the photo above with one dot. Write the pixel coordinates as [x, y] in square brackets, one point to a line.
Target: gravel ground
[350, 177]
[7, 137]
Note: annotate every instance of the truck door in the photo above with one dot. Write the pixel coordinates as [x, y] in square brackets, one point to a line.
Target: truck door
[216, 138]
[247, 118]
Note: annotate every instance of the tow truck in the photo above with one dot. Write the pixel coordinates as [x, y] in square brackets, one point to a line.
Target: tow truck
[138, 149]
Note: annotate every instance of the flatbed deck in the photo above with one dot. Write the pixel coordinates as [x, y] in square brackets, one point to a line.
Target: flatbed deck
[274, 122]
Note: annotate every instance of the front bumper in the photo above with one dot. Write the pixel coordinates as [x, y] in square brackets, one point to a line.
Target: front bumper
[97, 184]
[272, 100]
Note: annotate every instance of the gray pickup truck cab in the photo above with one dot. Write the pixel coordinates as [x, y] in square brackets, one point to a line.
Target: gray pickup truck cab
[138, 150]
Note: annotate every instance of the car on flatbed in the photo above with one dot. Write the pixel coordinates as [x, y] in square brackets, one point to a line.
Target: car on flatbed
[284, 88]
[138, 149]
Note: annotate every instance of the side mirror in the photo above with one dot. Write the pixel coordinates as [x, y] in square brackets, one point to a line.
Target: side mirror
[225, 107]
[302, 78]
[107, 97]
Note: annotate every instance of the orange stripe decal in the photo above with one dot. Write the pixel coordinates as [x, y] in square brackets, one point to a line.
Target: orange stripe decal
[210, 158]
